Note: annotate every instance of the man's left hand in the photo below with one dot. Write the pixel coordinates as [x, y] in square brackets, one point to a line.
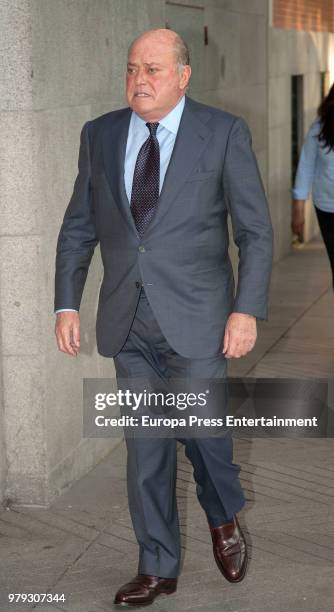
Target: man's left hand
[240, 334]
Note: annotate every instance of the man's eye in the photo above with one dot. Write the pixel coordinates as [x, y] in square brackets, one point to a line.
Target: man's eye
[152, 70]
[131, 70]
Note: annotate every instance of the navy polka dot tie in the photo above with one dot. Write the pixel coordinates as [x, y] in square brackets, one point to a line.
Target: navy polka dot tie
[145, 185]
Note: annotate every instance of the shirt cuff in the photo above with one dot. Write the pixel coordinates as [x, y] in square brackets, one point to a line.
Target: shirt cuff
[66, 310]
[299, 194]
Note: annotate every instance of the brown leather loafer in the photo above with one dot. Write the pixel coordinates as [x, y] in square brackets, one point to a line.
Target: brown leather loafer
[230, 550]
[143, 589]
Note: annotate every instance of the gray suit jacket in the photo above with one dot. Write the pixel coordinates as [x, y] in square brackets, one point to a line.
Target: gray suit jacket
[183, 258]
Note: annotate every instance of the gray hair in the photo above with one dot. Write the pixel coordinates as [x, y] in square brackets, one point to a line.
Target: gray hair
[182, 53]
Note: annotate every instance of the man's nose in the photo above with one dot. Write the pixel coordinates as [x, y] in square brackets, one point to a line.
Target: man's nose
[140, 76]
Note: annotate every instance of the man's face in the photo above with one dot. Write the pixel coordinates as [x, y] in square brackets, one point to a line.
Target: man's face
[153, 83]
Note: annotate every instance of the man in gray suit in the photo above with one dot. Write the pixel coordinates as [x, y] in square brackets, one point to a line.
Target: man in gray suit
[155, 184]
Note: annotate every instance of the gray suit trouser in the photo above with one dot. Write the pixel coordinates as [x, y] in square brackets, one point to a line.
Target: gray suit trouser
[151, 462]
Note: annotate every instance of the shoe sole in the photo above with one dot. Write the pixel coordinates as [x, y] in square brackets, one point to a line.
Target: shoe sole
[126, 604]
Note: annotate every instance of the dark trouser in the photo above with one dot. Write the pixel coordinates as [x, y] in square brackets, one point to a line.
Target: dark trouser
[326, 224]
[151, 463]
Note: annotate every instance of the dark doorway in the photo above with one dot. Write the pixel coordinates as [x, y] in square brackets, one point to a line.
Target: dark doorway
[297, 120]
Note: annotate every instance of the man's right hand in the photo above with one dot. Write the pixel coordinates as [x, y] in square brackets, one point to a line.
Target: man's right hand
[67, 332]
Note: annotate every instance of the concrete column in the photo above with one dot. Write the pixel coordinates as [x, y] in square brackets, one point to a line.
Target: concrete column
[3, 458]
[63, 64]
[20, 265]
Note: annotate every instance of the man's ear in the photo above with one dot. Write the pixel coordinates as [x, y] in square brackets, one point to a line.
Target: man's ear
[185, 76]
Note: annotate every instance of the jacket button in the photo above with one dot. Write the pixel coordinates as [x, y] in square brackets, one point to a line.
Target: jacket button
[138, 284]
[141, 249]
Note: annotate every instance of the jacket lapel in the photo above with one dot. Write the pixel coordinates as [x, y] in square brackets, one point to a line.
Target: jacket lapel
[114, 139]
[191, 140]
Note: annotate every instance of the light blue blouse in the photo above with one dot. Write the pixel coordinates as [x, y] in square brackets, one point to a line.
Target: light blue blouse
[315, 170]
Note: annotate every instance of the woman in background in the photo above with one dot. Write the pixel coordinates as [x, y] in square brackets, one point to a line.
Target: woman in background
[316, 170]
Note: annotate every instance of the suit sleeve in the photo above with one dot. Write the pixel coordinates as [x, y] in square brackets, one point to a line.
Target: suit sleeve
[77, 237]
[251, 224]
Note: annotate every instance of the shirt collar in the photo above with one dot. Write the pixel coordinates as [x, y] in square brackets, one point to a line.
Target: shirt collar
[170, 122]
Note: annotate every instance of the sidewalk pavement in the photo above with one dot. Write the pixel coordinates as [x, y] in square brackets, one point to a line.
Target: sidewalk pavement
[84, 546]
